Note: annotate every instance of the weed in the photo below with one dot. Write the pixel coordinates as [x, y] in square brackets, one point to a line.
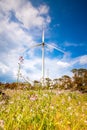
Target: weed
[33, 110]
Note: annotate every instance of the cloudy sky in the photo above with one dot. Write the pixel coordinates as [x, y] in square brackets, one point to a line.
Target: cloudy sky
[65, 27]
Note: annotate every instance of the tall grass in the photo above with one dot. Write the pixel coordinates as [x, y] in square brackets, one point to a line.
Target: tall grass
[43, 110]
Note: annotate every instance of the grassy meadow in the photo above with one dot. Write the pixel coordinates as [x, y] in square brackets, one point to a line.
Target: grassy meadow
[43, 110]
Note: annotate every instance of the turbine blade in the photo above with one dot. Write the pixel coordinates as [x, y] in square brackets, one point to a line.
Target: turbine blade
[58, 49]
[35, 46]
[43, 36]
[32, 47]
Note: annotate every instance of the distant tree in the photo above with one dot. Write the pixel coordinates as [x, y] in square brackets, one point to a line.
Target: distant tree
[0, 83]
[7, 85]
[13, 85]
[80, 79]
[47, 82]
[66, 82]
[36, 85]
[75, 72]
[56, 82]
[2, 86]
[60, 83]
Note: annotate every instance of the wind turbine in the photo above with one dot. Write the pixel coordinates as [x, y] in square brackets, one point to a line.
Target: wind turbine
[43, 56]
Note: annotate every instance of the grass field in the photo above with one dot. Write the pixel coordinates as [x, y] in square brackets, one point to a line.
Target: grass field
[43, 110]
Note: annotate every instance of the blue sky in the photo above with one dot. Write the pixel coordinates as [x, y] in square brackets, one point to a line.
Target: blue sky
[65, 26]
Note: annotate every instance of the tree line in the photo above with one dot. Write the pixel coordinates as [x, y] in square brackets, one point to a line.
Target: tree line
[77, 82]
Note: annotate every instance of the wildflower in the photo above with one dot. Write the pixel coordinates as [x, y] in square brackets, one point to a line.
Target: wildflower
[68, 122]
[79, 103]
[63, 101]
[85, 103]
[77, 114]
[11, 102]
[52, 107]
[85, 121]
[42, 110]
[58, 92]
[69, 108]
[2, 123]
[33, 97]
[71, 113]
[19, 117]
[31, 110]
[45, 95]
[2, 102]
[82, 108]
[21, 59]
[69, 98]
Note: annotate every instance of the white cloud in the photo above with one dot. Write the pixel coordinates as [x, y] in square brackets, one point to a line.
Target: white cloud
[29, 16]
[25, 12]
[69, 44]
[43, 9]
[3, 68]
[83, 60]
[63, 64]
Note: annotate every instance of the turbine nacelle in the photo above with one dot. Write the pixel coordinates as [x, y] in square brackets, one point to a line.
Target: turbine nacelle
[43, 44]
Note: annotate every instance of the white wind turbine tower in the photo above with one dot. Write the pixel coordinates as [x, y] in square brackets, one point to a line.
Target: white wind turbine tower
[43, 64]
[43, 56]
